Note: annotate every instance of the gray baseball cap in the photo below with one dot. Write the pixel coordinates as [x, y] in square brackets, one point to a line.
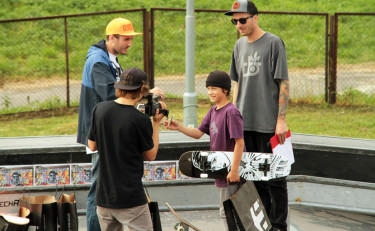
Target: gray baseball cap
[242, 6]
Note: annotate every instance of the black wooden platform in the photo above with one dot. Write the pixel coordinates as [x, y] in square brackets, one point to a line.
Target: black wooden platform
[322, 156]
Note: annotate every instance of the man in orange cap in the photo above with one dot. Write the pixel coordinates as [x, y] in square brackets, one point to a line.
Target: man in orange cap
[100, 73]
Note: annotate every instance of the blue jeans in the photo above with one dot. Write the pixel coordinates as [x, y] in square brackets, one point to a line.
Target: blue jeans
[91, 215]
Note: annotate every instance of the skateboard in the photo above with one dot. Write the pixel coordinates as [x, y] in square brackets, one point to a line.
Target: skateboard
[182, 225]
[216, 164]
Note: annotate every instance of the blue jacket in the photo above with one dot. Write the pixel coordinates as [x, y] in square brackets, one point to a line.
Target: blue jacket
[98, 81]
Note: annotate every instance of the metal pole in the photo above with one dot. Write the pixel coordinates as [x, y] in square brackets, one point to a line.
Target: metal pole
[146, 43]
[67, 63]
[190, 97]
[327, 60]
[152, 39]
[333, 61]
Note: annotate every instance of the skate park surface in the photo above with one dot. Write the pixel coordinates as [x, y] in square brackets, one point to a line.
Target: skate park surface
[303, 218]
[331, 186]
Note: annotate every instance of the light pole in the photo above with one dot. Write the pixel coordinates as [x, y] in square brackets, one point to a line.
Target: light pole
[190, 97]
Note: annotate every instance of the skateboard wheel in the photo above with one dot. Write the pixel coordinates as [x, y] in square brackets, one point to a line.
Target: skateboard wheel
[265, 178]
[204, 175]
[180, 229]
[204, 153]
[176, 226]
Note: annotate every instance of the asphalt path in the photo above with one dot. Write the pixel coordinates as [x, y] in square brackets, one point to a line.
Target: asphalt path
[302, 83]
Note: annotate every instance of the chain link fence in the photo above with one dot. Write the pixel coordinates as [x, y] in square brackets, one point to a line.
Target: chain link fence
[355, 58]
[38, 72]
[41, 60]
[215, 38]
[32, 62]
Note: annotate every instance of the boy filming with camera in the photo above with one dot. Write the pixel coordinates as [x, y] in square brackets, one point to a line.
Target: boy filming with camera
[124, 137]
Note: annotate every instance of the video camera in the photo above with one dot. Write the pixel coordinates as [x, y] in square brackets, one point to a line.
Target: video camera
[152, 104]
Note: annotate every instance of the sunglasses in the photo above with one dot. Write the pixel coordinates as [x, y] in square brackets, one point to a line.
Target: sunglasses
[241, 20]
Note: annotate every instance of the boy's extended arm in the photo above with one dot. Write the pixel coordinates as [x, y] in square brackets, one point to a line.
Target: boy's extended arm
[233, 175]
[192, 132]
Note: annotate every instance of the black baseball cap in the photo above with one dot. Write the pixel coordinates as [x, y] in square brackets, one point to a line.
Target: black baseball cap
[131, 79]
[242, 6]
[218, 79]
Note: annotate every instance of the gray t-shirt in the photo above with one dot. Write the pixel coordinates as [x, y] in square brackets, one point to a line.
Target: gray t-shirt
[258, 67]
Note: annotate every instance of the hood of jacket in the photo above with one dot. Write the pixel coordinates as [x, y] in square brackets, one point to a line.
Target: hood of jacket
[98, 48]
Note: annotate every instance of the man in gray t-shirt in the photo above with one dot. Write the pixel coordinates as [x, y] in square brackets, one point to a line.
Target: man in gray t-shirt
[259, 68]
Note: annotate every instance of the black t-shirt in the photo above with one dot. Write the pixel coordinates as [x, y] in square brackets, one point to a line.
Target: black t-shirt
[122, 134]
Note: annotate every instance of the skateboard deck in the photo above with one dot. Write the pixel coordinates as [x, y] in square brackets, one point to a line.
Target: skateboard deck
[182, 225]
[216, 164]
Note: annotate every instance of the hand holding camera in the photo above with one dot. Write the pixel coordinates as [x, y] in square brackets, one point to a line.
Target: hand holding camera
[152, 105]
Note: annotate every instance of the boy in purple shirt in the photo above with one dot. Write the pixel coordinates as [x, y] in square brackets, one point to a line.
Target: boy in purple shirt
[224, 124]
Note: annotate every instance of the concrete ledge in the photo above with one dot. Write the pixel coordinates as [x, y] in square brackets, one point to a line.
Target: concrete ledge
[333, 144]
[63, 144]
[325, 193]
[329, 181]
[65, 149]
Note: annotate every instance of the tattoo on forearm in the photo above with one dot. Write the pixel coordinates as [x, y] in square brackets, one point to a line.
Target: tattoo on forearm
[283, 99]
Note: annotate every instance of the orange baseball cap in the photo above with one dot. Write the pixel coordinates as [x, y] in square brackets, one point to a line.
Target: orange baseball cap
[121, 26]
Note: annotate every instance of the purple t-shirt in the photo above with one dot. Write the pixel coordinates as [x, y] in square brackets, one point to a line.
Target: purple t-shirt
[223, 126]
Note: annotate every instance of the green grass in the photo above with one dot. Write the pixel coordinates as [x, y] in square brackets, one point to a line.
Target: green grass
[51, 126]
[350, 97]
[36, 8]
[342, 121]
[48, 104]
[356, 97]
[37, 48]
